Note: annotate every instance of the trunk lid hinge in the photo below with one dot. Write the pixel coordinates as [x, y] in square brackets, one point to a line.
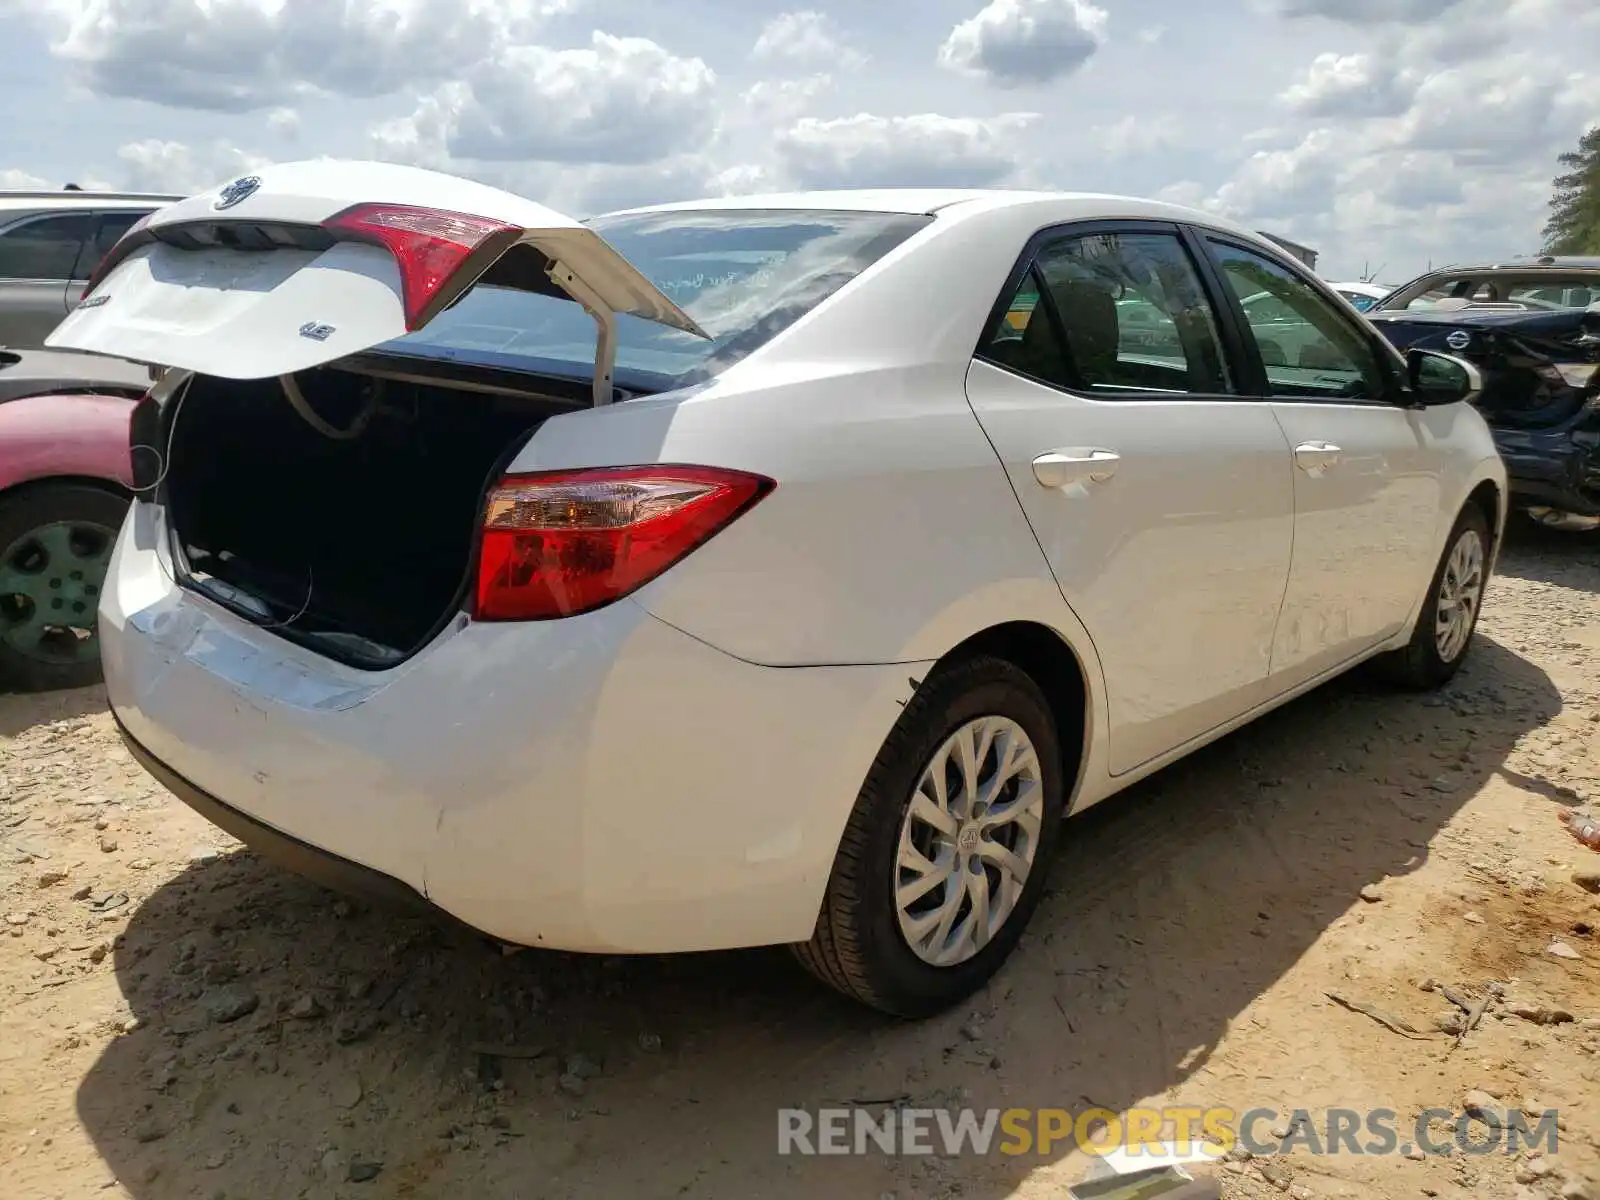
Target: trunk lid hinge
[605, 319]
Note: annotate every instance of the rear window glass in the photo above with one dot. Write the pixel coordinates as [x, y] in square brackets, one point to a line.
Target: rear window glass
[744, 275]
[1541, 293]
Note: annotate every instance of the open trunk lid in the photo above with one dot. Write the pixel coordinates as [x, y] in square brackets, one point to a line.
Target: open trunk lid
[304, 263]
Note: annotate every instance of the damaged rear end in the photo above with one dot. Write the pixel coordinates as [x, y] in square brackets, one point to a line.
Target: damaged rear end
[370, 607]
[292, 599]
[1541, 395]
[307, 481]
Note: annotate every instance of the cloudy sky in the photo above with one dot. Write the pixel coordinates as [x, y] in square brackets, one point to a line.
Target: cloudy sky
[1383, 132]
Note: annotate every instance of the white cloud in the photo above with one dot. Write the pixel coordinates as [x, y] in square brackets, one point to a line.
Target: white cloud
[921, 150]
[616, 101]
[1274, 184]
[153, 165]
[284, 122]
[1365, 12]
[806, 38]
[1012, 43]
[1382, 129]
[16, 179]
[237, 55]
[1491, 110]
[743, 179]
[1352, 85]
[1142, 135]
[780, 101]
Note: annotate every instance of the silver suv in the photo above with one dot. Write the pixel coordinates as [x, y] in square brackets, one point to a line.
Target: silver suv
[49, 243]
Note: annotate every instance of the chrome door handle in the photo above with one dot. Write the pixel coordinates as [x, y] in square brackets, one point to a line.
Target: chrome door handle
[1064, 468]
[1316, 457]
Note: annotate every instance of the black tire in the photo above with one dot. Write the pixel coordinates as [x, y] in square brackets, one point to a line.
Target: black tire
[31, 508]
[1419, 666]
[857, 947]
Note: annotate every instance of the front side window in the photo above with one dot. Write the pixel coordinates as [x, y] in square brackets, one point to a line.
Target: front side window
[1308, 347]
[1113, 313]
[744, 275]
[44, 248]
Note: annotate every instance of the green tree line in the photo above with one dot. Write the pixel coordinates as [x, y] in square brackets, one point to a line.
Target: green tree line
[1574, 225]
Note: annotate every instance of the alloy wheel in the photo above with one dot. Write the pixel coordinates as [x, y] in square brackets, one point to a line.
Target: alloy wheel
[1460, 596]
[969, 840]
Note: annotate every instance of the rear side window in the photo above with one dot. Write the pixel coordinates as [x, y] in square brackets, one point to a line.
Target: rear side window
[1113, 313]
[44, 247]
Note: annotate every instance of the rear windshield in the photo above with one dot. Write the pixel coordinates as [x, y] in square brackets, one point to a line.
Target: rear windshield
[1546, 292]
[743, 275]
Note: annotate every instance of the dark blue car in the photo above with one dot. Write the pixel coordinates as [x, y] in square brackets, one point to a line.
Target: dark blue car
[1532, 327]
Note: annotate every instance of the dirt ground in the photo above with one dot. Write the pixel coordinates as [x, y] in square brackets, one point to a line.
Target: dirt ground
[180, 1019]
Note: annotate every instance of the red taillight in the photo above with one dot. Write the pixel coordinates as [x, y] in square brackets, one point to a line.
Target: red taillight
[429, 245]
[118, 252]
[565, 542]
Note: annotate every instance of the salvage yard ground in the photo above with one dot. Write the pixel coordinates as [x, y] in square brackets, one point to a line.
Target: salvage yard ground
[179, 1019]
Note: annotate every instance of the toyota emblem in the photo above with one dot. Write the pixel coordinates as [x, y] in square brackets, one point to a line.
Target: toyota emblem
[237, 192]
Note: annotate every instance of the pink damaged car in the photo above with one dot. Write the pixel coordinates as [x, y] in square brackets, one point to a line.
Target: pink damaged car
[64, 489]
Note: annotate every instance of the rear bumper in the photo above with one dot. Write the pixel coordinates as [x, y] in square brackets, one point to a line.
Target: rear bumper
[1551, 467]
[304, 859]
[603, 783]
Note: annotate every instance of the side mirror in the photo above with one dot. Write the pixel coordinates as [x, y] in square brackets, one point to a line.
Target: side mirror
[1437, 379]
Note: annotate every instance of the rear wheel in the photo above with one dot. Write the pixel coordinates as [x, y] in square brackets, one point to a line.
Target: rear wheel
[945, 854]
[55, 545]
[1449, 616]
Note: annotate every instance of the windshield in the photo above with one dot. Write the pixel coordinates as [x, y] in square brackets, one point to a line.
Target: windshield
[1549, 291]
[744, 275]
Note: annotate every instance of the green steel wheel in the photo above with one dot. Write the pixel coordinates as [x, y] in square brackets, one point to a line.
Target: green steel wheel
[55, 545]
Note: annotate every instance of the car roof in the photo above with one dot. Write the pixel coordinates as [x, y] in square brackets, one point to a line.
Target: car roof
[1544, 263]
[960, 202]
[908, 200]
[36, 201]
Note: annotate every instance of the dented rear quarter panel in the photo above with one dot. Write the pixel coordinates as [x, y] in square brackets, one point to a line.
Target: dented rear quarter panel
[75, 436]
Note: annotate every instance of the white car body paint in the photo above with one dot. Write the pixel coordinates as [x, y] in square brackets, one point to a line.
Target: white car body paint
[242, 314]
[673, 772]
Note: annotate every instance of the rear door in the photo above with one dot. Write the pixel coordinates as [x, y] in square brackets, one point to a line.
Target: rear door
[1367, 473]
[309, 262]
[37, 254]
[1160, 494]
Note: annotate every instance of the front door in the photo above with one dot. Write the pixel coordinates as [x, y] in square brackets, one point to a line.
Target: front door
[1161, 496]
[1366, 481]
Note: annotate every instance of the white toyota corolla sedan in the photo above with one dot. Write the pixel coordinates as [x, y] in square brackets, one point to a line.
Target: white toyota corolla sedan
[751, 571]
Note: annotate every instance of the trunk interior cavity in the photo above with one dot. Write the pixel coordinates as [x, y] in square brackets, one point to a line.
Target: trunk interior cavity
[352, 531]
